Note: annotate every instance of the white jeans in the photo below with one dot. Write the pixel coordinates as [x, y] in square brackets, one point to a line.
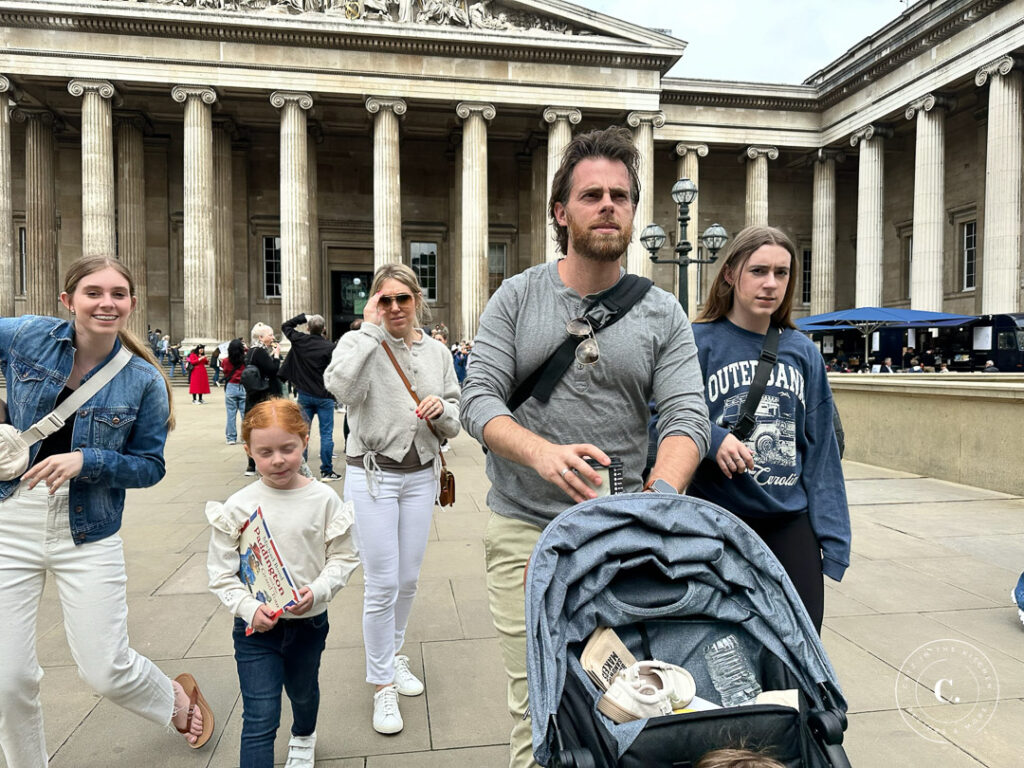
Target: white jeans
[35, 537]
[391, 531]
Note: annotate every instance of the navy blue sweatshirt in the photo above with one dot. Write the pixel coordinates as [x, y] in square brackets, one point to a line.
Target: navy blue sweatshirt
[796, 456]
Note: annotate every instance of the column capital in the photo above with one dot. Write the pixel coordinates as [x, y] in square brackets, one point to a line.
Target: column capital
[634, 119]
[46, 117]
[105, 89]
[375, 104]
[824, 154]
[554, 114]
[868, 132]
[928, 102]
[1001, 66]
[683, 149]
[466, 108]
[752, 153]
[182, 93]
[5, 84]
[228, 125]
[135, 119]
[279, 98]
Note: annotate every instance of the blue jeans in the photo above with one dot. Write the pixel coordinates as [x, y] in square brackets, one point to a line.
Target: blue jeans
[234, 402]
[287, 656]
[323, 409]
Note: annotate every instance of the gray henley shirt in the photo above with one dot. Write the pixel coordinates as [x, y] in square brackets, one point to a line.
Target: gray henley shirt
[649, 354]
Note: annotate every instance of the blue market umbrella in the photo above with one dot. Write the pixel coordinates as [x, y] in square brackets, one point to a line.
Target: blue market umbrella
[867, 320]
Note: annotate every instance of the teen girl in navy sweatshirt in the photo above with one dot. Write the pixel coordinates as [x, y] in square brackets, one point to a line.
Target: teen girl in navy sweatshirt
[785, 480]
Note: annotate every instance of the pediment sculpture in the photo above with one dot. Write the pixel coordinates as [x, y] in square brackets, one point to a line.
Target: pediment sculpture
[474, 14]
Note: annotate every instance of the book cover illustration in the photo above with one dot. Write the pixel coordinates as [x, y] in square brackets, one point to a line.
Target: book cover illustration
[261, 567]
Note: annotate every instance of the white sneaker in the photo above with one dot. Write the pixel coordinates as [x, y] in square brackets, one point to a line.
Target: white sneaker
[627, 700]
[300, 751]
[676, 682]
[405, 681]
[386, 717]
[647, 689]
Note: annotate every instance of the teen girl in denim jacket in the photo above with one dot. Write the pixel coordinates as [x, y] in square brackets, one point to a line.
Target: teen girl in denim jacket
[63, 514]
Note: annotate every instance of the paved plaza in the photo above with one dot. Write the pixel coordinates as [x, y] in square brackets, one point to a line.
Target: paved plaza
[932, 561]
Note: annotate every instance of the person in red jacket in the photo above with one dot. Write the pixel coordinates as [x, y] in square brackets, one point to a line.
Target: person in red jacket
[198, 380]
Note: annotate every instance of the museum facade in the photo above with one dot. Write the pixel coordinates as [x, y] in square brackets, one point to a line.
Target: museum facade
[252, 160]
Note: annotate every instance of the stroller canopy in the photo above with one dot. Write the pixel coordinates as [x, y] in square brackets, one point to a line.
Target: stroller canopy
[593, 566]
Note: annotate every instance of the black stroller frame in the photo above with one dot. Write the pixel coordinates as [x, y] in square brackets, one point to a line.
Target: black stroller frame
[671, 573]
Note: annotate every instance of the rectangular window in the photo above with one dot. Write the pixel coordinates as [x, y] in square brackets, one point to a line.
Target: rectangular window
[496, 253]
[969, 251]
[423, 260]
[22, 258]
[805, 278]
[271, 267]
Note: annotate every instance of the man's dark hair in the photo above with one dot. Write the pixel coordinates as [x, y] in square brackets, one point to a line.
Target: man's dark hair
[613, 143]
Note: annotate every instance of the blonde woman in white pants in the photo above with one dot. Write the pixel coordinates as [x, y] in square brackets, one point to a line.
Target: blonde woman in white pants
[393, 465]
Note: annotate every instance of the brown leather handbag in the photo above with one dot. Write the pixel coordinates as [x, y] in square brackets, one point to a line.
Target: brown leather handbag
[446, 497]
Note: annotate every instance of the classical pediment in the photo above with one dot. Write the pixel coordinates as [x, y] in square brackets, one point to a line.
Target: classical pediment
[513, 17]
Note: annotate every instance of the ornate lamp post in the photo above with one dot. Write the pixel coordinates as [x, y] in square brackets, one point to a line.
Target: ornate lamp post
[653, 237]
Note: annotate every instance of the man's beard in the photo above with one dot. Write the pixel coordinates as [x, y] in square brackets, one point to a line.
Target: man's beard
[596, 246]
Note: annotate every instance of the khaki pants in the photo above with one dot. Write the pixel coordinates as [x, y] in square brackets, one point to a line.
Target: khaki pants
[508, 544]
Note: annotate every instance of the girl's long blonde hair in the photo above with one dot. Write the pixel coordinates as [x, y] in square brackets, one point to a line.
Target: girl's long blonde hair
[87, 265]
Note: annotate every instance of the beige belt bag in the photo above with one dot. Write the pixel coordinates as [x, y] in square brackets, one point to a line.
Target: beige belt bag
[15, 445]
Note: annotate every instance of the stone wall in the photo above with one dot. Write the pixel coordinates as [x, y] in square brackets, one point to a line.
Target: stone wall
[962, 428]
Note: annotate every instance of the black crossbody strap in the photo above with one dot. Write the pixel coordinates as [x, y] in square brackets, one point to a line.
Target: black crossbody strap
[746, 422]
[604, 310]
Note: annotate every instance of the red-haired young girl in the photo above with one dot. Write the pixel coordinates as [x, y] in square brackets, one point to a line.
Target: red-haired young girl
[311, 530]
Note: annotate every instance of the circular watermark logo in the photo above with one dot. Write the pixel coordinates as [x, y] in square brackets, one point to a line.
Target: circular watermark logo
[946, 688]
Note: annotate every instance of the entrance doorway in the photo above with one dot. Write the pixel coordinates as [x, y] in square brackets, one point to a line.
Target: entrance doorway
[350, 291]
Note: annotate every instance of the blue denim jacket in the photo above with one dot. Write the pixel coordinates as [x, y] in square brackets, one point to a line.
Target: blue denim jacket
[121, 430]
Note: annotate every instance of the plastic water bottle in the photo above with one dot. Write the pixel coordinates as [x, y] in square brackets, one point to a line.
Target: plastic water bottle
[730, 672]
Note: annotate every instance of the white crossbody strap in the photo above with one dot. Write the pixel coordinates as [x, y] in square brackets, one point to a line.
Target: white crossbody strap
[56, 418]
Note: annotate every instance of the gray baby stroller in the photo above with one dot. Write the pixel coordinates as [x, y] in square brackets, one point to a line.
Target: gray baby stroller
[671, 574]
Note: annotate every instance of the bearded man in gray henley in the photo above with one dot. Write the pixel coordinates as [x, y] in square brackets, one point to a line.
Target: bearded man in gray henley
[535, 458]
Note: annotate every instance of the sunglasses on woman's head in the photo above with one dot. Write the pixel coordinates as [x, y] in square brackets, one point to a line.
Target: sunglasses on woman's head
[402, 299]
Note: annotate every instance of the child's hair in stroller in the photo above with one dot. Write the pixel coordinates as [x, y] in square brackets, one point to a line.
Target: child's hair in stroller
[737, 758]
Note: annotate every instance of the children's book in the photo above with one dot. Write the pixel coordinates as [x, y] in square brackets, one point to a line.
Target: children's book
[261, 567]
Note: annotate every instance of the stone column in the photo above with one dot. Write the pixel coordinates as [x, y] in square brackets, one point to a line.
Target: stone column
[541, 230]
[687, 167]
[7, 252]
[823, 233]
[638, 261]
[316, 136]
[387, 185]
[929, 201]
[757, 159]
[296, 295]
[475, 117]
[131, 212]
[97, 166]
[1000, 279]
[223, 227]
[560, 121]
[41, 273]
[202, 284]
[870, 216]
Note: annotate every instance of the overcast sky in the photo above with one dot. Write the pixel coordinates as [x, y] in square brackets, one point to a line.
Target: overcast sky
[767, 42]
